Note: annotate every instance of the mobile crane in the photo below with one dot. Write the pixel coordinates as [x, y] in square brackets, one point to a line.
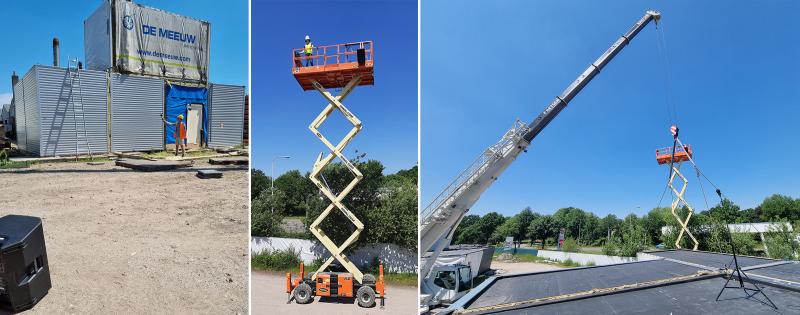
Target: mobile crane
[447, 283]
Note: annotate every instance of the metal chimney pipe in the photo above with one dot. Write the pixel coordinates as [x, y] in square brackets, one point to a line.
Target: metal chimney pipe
[55, 51]
[14, 79]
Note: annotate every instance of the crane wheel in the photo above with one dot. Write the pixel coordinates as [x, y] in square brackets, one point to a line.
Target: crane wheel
[366, 297]
[302, 294]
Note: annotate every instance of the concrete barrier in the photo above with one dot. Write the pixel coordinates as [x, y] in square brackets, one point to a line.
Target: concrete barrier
[585, 259]
[393, 257]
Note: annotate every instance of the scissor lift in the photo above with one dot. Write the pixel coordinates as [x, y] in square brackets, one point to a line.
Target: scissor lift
[343, 66]
[674, 157]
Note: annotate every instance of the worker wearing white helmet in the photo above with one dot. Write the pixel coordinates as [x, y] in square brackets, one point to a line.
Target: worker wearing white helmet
[308, 51]
[180, 134]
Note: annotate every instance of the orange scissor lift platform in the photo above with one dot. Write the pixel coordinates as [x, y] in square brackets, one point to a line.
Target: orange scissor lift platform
[333, 66]
[681, 154]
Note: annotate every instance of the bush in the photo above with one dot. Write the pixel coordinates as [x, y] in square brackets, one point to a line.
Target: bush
[716, 240]
[278, 260]
[570, 245]
[780, 243]
[263, 221]
[609, 249]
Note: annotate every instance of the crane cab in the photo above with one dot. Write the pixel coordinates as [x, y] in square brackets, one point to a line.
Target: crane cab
[449, 283]
[680, 154]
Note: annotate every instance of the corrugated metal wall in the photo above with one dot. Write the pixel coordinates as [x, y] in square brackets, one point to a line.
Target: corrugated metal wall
[30, 92]
[64, 131]
[19, 103]
[226, 125]
[136, 108]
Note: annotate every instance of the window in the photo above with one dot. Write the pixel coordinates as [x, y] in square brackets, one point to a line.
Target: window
[445, 279]
[465, 279]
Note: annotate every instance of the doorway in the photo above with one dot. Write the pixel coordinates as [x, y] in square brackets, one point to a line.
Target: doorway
[194, 125]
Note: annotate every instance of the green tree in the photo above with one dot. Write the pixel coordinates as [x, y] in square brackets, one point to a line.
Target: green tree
[263, 221]
[297, 189]
[631, 239]
[653, 221]
[726, 211]
[780, 207]
[481, 231]
[571, 219]
[509, 228]
[395, 219]
[466, 222]
[525, 217]
[542, 227]
[259, 183]
[609, 225]
[361, 200]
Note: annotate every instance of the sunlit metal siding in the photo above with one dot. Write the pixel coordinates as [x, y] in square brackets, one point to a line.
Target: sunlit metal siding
[136, 107]
[19, 110]
[226, 125]
[64, 129]
[32, 136]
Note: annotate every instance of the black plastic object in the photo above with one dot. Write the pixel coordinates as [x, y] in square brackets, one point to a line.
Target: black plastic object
[361, 53]
[24, 273]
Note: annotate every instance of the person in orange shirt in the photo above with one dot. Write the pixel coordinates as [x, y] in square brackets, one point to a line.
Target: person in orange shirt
[180, 134]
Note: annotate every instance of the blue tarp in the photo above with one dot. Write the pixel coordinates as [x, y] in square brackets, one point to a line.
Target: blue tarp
[178, 100]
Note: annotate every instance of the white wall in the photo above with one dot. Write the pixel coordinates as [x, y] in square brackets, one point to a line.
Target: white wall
[584, 259]
[393, 257]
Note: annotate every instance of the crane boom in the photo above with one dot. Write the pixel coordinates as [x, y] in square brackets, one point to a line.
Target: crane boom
[445, 212]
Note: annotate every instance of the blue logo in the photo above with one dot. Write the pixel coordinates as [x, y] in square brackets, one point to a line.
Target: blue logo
[127, 22]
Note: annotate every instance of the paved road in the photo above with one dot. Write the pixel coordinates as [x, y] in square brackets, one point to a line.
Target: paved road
[268, 297]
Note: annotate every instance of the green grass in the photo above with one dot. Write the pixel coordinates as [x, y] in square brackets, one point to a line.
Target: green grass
[15, 164]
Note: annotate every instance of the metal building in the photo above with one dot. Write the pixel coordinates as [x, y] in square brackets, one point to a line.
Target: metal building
[67, 112]
[136, 107]
[226, 125]
[57, 116]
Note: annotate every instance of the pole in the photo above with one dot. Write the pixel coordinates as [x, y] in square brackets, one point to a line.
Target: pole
[272, 182]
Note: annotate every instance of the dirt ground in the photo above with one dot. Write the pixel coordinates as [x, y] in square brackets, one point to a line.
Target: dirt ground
[269, 297]
[123, 241]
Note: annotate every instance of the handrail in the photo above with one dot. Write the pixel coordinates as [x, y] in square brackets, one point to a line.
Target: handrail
[332, 54]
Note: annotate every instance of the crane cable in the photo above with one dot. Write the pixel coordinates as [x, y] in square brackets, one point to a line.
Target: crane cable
[661, 43]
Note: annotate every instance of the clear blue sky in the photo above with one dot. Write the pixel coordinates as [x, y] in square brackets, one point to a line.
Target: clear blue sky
[733, 68]
[282, 111]
[28, 28]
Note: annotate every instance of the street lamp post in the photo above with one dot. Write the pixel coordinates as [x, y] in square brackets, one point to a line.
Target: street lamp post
[272, 181]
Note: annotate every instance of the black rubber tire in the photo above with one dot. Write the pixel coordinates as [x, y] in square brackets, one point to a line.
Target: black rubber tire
[365, 297]
[368, 279]
[302, 294]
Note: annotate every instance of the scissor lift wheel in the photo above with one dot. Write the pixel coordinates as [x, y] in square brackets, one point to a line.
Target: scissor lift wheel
[366, 296]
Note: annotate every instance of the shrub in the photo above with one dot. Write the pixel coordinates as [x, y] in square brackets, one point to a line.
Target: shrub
[570, 245]
[780, 243]
[277, 260]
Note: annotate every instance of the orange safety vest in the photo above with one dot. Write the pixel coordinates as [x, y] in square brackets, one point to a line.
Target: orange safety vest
[180, 131]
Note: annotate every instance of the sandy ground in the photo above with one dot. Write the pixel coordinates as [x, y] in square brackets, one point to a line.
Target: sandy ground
[520, 267]
[122, 241]
[269, 297]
